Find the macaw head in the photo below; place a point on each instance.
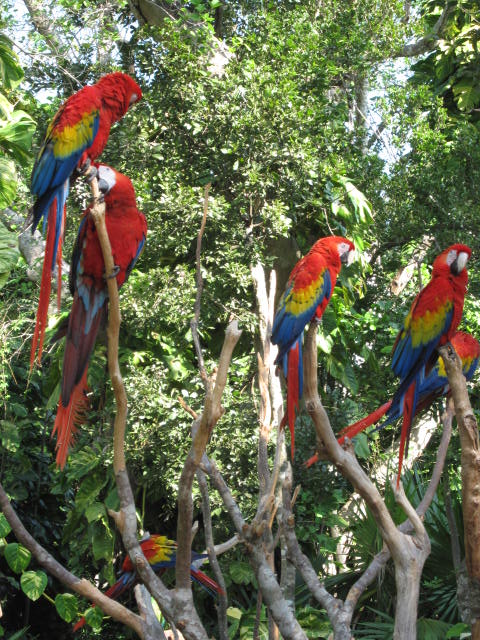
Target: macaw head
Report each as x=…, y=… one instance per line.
x=115, y=186
x=454, y=259
x=344, y=247
x=119, y=91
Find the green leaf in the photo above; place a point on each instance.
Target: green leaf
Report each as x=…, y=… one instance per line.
x=325, y=343
x=89, y=490
x=10, y=436
x=362, y=449
x=17, y=556
x=16, y=135
x=467, y=94
x=102, y=543
x=5, y=528
x=8, y=182
x=94, y=618
x=457, y=630
x=67, y=606
x=95, y=511
x=11, y=72
x=241, y=572
x=21, y=634
x=33, y=584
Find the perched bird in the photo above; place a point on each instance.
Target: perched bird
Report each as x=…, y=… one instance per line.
x=433, y=386
x=127, y=230
x=76, y=136
x=161, y=554
x=309, y=289
x=431, y=322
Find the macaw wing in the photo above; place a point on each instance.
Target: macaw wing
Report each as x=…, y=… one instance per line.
x=304, y=293
x=59, y=155
x=76, y=254
x=135, y=258
x=428, y=320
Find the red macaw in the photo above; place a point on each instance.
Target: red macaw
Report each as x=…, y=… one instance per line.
x=432, y=321
x=76, y=136
x=309, y=289
x=161, y=554
x=433, y=386
x=127, y=230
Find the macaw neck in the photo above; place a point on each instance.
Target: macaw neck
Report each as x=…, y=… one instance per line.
x=115, y=104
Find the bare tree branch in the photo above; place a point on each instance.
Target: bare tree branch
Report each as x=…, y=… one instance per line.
x=428, y=41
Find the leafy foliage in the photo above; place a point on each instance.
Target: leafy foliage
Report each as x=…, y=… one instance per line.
x=280, y=139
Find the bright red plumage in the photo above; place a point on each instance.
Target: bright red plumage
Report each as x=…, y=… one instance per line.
x=78, y=132
x=309, y=289
x=127, y=229
x=432, y=321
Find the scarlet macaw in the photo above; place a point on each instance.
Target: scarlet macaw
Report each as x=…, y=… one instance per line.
x=433, y=386
x=431, y=322
x=127, y=230
x=309, y=289
x=77, y=135
x=161, y=554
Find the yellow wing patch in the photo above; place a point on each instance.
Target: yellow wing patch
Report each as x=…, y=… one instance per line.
x=426, y=327
x=299, y=301
x=72, y=138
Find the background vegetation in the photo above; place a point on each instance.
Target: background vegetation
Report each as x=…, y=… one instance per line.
x=326, y=119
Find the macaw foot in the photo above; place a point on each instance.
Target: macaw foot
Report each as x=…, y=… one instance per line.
x=115, y=272
x=87, y=170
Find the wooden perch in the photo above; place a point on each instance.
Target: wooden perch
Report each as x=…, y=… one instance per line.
x=408, y=554
x=470, y=461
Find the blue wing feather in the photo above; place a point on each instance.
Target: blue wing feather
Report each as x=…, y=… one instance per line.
x=287, y=327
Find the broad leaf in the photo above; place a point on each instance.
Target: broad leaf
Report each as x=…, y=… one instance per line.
x=11, y=72
x=94, y=617
x=33, y=584
x=17, y=556
x=8, y=182
x=67, y=606
x=5, y=528
x=16, y=135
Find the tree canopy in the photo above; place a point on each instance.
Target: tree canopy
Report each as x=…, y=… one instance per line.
x=307, y=119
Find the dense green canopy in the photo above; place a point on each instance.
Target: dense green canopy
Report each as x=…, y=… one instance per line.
x=321, y=121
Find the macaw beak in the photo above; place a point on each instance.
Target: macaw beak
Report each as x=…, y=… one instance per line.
x=348, y=257
x=459, y=264
x=103, y=186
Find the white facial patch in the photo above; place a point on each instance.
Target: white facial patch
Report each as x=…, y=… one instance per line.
x=133, y=98
x=451, y=256
x=344, y=248
x=107, y=174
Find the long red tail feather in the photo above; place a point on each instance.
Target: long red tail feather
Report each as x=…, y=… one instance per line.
x=292, y=392
x=45, y=288
x=408, y=410
x=59, y=259
x=357, y=427
x=354, y=429
x=206, y=581
x=68, y=418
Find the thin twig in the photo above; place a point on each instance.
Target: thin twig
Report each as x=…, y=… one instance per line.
x=198, y=298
